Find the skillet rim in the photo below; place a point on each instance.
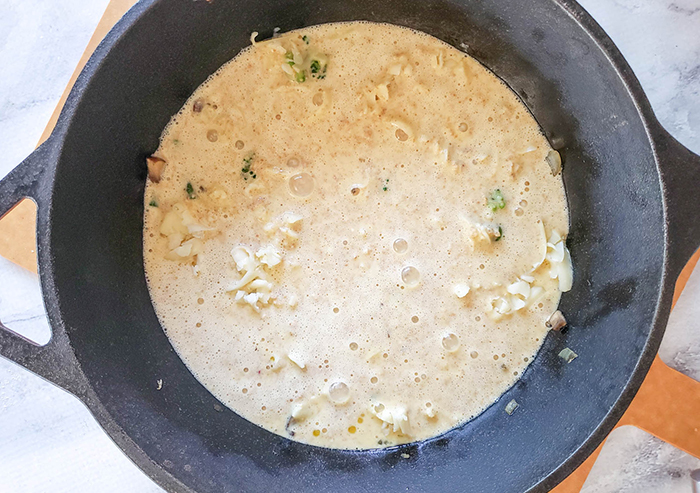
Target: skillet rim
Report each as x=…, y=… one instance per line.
x=84, y=389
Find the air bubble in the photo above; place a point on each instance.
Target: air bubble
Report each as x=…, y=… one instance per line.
x=474, y=354
x=292, y=162
x=450, y=342
x=301, y=185
x=339, y=392
x=463, y=127
x=212, y=135
x=519, y=212
x=410, y=276
x=317, y=99
x=401, y=135
x=400, y=245
x=353, y=346
x=414, y=319
x=240, y=144
x=374, y=379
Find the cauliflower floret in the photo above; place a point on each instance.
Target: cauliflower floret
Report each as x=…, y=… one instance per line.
x=177, y=225
x=394, y=418
x=254, y=288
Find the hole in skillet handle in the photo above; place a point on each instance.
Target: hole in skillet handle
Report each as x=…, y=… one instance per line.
x=54, y=360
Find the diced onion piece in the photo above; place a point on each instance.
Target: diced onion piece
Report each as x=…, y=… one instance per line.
x=460, y=290
x=269, y=256
x=277, y=362
x=276, y=47
x=242, y=257
x=291, y=218
x=567, y=355
x=172, y=223
x=175, y=240
x=512, y=406
x=536, y=294
x=253, y=35
x=554, y=161
x=248, y=277
x=543, y=245
x=556, y=254
x=297, y=360
x=555, y=237
x=383, y=92
x=516, y=303
x=188, y=249
x=305, y=410
x=565, y=273
x=261, y=285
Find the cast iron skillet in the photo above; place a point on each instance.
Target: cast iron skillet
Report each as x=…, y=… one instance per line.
x=631, y=190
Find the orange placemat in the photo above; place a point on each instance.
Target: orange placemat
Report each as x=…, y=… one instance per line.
x=666, y=405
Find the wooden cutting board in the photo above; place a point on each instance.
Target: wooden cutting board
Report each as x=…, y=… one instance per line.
x=666, y=405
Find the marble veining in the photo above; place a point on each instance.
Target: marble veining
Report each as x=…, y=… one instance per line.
x=48, y=439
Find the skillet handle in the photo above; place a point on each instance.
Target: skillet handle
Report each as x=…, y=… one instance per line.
x=55, y=361
x=680, y=174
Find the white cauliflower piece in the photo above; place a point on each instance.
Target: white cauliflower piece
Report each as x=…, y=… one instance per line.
x=394, y=418
x=254, y=287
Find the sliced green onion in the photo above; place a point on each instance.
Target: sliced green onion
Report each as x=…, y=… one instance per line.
x=190, y=191
x=301, y=76
x=496, y=200
x=500, y=234
x=153, y=203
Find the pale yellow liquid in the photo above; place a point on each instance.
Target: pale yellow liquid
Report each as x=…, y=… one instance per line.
x=340, y=307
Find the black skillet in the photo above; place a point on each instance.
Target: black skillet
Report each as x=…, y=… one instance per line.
x=634, y=223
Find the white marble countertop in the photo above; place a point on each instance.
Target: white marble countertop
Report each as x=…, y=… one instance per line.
x=49, y=442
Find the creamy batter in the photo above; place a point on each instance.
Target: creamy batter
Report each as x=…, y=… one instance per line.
x=354, y=234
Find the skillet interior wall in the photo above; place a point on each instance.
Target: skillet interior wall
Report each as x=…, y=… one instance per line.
x=615, y=240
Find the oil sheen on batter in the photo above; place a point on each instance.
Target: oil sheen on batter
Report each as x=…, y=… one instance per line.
x=354, y=234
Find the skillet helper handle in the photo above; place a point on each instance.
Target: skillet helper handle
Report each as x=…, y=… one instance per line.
x=55, y=361
x=680, y=173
